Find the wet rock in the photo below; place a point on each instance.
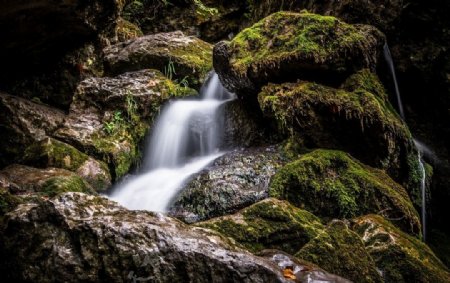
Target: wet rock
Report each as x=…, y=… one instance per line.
x=399, y=257
x=76, y=237
x=288, y=46
x=341, y=251
x=25, y=180
x=331, y=184
x=23, y=123
x=53, y=153
x=269, y=224
x=110, y=116
x=356, y=118
x=234, y=181
x=180, y=57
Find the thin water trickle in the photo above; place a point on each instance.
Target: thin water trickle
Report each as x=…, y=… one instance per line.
x=390, y=62
x=185, y=140
x=423, y=190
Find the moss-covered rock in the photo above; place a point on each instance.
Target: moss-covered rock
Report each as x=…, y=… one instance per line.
x=7, y=201
x=53, y=153
x=286, y=46
x=126, y=30
x=341, y=251
x=109, y=117
x=25, y=180
x=399, y=257
x=269, y=224
x=180, y=57
x=331, y=184
x=356, y=118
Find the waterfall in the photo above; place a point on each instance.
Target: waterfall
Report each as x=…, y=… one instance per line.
x=390, y=62
x=420, y=147
x=184, y=140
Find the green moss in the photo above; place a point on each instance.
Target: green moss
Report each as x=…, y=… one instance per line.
x=331, y=184
x=126, y=30
x=7, y=201
x=268, y=224
x=62, y=184
x=303, y=35
x=341, y=251
x=400, y=257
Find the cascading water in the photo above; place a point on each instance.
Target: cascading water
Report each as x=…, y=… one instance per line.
x=419, y=146
x=184, y=141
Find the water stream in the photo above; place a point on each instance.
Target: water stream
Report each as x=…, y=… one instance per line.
x=185, y=139
x=420, y=147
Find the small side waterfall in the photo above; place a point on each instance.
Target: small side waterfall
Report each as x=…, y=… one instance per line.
x=419, y=146
x=390, y=62
x=185, y=140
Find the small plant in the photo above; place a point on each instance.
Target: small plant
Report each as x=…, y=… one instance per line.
x=131, y=107
x=111, y=127
x=184, y=82
x=169, y=70
x=203, y=10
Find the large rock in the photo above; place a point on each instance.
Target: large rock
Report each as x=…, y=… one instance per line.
x=269, y=224
x=53, y=153
x=110, y=116
x=399, y=257
x=234, y=181
x=76, y=237
x=331, y=184
x=178, y=56
x=23, y=123
x=25, y=180
x=287, y=46
x=39, y=31
x=356, y=118
x=341, y=251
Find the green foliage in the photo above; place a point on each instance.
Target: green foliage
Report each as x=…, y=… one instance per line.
x=203, y=10
x=169, y=69
x=114, y=124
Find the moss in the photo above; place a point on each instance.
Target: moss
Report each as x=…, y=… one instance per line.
x=399, y=256
x=7, y=201
x=62, y=184
x=268, y=224
x=331, y=184
x=308, y=36
x=341, y=251
x=126, y=30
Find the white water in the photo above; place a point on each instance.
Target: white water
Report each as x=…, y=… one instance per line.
x=184, y=141
x=423, y=190
x=390, y=62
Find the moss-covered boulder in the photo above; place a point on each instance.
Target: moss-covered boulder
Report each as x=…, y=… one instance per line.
x=356, y=118
x=8, y=201
x=53, y=153
x=269, y=224
x=331, y=184
x=399, y=257
x=126, y=30
x=185, y=58
x=110, y=116
x=25, y=180
x=341, y=251
x=286, y=46
x=232, y=182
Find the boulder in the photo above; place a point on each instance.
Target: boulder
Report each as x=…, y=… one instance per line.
x=331, y=184
x=126, y=30
x=269, y=224
x=234, y=181
x=22, y=123
x=341, y=251
x=110, y=116
x=181, y=57
x=286, y=46
x=398, y=256
x=356, y=118
x=53, y=153
x=76, y=237
x=25, y=180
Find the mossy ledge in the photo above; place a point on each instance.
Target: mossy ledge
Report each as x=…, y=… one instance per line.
x=332, y=184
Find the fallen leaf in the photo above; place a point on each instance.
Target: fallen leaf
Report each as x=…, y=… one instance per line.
x=289, y=274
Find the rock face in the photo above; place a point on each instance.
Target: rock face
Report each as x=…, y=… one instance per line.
x=53, y=153
x=331, y=184
x=178, y=56
x=269, y=224
x=341, y=251
x=400, y=257
x=22, y=123
x=287, y=46
x=109, y=116
x=25, y=180
x=76, y=237
x=356, y=118
x=232, y=182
